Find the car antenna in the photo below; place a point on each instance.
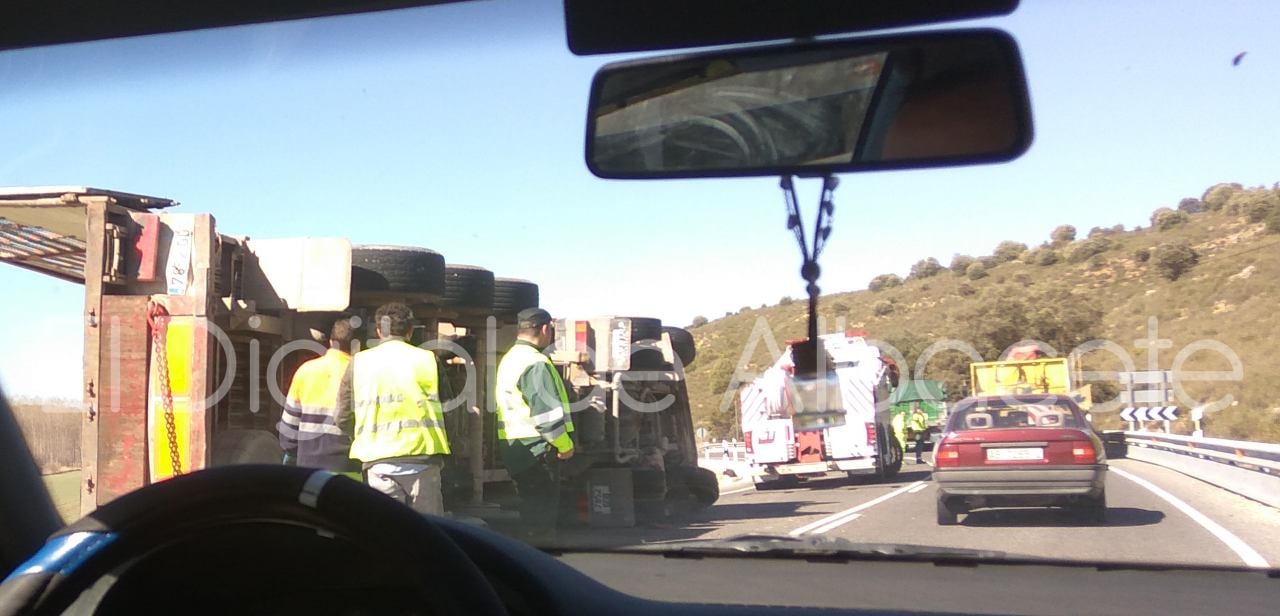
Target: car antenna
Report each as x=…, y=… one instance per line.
x=806, y=359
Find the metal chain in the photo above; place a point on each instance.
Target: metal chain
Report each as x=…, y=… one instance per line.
x=158, y=318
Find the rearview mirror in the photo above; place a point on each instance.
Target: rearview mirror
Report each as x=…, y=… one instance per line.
x=895, y=102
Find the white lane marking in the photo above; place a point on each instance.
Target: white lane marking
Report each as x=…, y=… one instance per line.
x=1250, y=557
x=738, y=491
x=842, y=521
x=848, y=515
x=918, y=488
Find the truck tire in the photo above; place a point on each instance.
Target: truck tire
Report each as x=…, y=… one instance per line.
x=890, y=463
x=397, y=269
x=468, y=286
x=697, y=485
x=682, y=344
x=244, y=446
x=511, y=295
x=645, y=354
x=643, y=328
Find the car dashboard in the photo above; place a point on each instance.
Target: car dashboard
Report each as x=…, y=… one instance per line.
x=269, y=568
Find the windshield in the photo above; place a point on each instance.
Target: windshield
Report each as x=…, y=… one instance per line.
x=217, y=224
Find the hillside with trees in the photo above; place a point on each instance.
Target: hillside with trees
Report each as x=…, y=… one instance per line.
x=1205, y=269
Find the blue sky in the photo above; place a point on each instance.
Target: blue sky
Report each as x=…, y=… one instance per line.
x=460, y=128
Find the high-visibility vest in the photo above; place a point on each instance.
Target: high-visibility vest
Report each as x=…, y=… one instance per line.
x=395, y=391
x=899, y=428
x=515, y=419
x=919, y=422
x=308, y=424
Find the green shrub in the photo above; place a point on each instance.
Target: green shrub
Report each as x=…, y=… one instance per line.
x=884, y=281
x=1042, y=256
x=1165, y=219
x=960, y=264
x=1174, y=260
x=1082, y=251
x=1008, y=251
x=925, y=268
x=976, y=271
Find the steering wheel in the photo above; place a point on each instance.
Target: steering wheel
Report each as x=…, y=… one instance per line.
x=124, y=531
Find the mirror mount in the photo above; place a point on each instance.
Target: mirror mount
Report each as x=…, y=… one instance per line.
x=806, y=355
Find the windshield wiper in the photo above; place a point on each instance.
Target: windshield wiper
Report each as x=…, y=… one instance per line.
x=813, y=546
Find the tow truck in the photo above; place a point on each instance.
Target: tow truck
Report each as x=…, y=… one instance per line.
x=797, y=427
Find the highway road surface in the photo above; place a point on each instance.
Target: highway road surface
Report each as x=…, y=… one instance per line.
x=1156, y=515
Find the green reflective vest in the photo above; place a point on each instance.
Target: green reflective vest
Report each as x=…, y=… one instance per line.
x=900, y=429
x=395, y=394
x=919, y=422
x=515, y=418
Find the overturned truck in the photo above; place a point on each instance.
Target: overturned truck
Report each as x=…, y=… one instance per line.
x=191, y=337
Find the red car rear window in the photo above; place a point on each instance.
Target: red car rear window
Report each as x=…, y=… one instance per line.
x=1005, y=414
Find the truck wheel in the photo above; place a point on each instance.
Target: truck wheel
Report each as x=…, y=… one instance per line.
x=703, y=485
x=397, y=269
x=511, y=295
x=467, y=286
x=240, y=446
x=643, y=328
x=890, y=463
x=690, y=488
x=682, y=344
x=645, y=334
x=946, y=517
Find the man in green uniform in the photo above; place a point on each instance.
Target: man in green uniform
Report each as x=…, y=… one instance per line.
x=919, y=428
x=534, y=424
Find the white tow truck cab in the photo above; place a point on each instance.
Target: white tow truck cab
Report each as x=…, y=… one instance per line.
x=803, y=428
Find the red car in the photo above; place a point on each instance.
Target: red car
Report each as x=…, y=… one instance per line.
x=1019, y=450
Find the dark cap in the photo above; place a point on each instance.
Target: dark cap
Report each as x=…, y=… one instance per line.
x=532, y=317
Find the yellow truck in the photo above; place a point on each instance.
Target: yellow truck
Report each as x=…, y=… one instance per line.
x=1026, y=371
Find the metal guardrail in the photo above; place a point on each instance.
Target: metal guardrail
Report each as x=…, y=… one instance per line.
x=1246, y=468
x=736, y=452
x=1261, y=457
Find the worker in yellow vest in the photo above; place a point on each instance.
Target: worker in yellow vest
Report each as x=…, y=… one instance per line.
x=308, y=428
x=919, y=429
x=900, y=429
x=534, y=423
x=391, y=395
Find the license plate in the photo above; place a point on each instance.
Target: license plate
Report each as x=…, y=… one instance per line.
x=1015, y=453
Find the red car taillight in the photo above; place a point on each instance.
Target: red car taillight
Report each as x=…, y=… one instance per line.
x=1082, y=452
x=947, y=455
x=746, y=438
x=871, y=435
